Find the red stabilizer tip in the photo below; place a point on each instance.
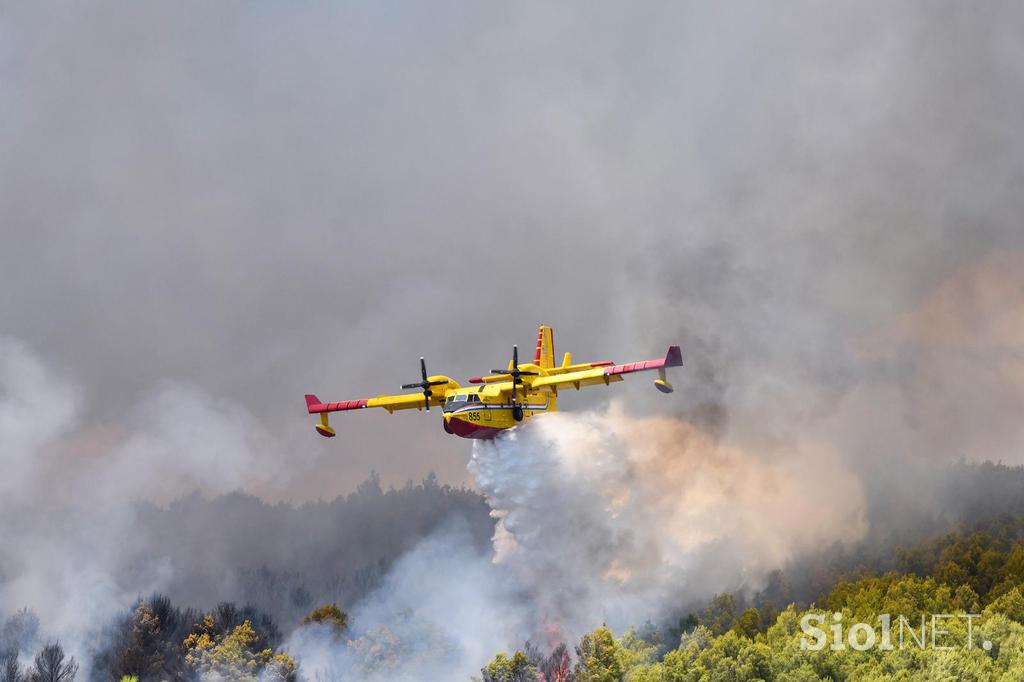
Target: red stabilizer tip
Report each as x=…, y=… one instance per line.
x=313, y=403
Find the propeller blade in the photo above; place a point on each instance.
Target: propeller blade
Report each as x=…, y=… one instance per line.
x=515, y=357
x=500, y=371
x=527, y=373
x=416, y=385
x=423, y=368
x=439, y=382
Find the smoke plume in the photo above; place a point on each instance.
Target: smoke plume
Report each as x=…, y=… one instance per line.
x=73, y=550
x=607, y=518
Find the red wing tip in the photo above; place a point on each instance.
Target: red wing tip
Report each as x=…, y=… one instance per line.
x=312, y=402
x=674, y=357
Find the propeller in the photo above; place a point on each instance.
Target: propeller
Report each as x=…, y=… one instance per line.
x=425, y=384
x=515, y=372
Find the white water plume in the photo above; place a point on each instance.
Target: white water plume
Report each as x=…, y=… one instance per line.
x=609, y=518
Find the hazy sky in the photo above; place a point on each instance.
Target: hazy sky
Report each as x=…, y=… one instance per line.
x=260, y=199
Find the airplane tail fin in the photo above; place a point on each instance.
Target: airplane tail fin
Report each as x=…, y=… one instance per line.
x=545, y=354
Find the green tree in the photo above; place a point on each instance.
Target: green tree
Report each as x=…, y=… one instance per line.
x=503, y=668
x=597, y=657
x=633, y=651
x=1010, y=605
x=749, y=623
x=721, y=613
x=331, y=615
x=234, y=657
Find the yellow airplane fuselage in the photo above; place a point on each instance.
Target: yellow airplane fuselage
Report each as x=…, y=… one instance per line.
x=477, y=412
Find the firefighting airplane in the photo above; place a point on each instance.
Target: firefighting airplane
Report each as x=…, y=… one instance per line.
x=504, y=398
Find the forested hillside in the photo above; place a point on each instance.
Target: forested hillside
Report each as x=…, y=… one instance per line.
x=240, y=575
x=283, y=559
x=966, y=559
x=979, y=571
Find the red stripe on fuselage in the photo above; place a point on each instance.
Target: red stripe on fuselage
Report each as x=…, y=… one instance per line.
x=465, y=429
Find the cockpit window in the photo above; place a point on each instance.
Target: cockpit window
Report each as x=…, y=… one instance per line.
x=456, y=402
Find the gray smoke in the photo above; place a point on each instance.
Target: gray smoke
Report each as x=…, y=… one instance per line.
x=266, y=201
x=72, y=550
x=213, y=209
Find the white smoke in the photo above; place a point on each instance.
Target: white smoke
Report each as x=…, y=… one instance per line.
x=609, y=518
x=36, y=407
x=442, y=611
x=68, y=489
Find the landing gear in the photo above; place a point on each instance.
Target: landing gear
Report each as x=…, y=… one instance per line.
x=517, y=413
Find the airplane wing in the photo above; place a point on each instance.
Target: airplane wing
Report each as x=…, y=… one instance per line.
x=390, y=403
x=606, y=373
x=404, y=401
